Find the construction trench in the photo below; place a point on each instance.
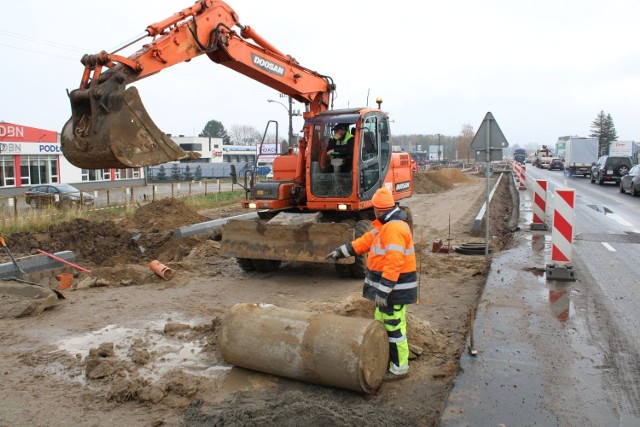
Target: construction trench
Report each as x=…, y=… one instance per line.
x=127, y=347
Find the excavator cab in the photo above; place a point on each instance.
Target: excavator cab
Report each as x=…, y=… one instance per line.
x=368, y=154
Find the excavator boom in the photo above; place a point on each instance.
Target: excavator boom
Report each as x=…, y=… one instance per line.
x=109, y=126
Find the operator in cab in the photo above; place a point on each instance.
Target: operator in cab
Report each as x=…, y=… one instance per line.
x=340, y=146
x=391, y=280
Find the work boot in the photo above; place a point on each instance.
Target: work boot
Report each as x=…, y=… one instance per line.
x=390, y=376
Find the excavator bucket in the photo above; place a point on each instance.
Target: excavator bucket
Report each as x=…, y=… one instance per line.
x=110, y=128
x=284, y=240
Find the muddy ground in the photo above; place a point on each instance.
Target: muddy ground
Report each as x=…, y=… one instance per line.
x=128, y=348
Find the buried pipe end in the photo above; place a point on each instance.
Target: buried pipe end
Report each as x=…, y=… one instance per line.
x=161, y=270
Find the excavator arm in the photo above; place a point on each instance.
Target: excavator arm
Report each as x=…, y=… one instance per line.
x=109, y=126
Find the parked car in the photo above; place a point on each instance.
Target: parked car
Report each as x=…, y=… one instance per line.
x=631, y=182
x=610, y=168
x=58, y=195
x=557, y=164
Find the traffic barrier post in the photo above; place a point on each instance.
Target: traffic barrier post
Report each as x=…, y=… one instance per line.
x=562, y=236
x=523, y=177
x=539, y=205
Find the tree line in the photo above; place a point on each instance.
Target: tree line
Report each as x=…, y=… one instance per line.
x=452, y=147
x=236, y=135
x=177, y=174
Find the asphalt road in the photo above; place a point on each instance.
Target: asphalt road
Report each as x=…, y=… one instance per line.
x=606, y=237
x=558, y=353
x=606, y=255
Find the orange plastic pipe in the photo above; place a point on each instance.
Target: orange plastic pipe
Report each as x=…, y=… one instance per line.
x=161, y=270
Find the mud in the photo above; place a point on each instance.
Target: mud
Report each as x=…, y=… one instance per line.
x=133, y=349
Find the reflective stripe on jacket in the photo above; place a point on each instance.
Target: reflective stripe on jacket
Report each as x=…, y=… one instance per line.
x=391, y=264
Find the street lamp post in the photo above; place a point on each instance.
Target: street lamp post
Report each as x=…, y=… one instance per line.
x=290, y=113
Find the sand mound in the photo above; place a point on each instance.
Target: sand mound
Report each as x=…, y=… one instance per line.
x=437, y=181
x=419, y=332
x=454, y=175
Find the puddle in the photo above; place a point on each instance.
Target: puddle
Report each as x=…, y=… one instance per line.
x=558, y=297
x=168, y=351
x=610, y=214
x=539, y=242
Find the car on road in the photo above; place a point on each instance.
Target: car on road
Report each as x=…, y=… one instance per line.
x=609, y=168
x=630, y=183
x=556, y=164
x=58, y=195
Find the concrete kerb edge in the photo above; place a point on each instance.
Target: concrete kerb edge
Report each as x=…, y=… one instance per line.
x=477, y=223
x=35, y=264
x=210, y=226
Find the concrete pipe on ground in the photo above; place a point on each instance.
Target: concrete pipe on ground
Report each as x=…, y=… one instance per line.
x=345, y=352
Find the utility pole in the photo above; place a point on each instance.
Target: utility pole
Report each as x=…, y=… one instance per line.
x=439, y=148
x=291, y=141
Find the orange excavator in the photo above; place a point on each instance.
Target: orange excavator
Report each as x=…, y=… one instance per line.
x=318, y=198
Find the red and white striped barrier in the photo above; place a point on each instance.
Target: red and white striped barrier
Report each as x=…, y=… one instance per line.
x=519, y=175
x=523, y=177
x=562, y=235
x=539, y=204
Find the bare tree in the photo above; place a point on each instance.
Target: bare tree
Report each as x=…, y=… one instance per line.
x=244, y=135
x=464, y=141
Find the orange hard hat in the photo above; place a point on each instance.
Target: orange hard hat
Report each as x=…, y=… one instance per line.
x=383, y=199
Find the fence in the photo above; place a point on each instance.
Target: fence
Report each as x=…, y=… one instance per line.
x=15, y=206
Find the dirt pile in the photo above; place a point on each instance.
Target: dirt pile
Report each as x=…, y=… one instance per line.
x=419, y=332
x=501, y=209
x=165, y=214
x=147, y=235
x=90, y=240
x=437, y=181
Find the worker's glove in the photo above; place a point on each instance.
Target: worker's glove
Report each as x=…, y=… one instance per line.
x=338, y=253
x=335, y=255
x=381, y=301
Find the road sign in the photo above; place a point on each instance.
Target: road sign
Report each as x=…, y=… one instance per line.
x=489, y=136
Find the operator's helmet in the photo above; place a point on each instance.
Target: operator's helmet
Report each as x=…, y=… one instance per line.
x=343, y=126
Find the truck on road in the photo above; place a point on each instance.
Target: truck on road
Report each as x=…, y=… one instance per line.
x=519, y=155
x=543, y=157
x=580, y=153
x=622, y=149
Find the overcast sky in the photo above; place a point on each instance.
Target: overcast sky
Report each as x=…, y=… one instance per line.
x=544, y=68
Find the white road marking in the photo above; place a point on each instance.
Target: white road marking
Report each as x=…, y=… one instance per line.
x=609, y=247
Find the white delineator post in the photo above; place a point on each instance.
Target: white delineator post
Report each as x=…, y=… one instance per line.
x=562, y=235
x=539, y=205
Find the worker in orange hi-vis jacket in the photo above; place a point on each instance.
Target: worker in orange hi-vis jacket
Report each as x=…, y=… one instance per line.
x=391, y=280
